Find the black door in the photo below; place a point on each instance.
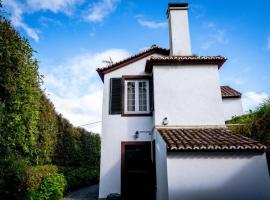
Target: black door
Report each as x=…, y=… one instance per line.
x=137, y=171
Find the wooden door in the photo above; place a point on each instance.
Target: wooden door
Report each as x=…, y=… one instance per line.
x=138, y=177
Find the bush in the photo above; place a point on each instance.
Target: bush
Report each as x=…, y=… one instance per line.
x=51, y=188
x=13, y=176
x=79, y=176
x=36, y=175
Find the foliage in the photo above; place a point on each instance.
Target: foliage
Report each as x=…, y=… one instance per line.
x=47, y=128
x=255, y=125
x=13, y=176
x=36, y=175
x=76, y=146
x=19, y=93
x=51, y=188
x=80, y=176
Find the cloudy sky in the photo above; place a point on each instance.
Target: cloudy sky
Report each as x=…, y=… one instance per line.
x=73, y=37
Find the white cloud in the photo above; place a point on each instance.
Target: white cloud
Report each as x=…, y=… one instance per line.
x=74, y=87
x=101, y=9
x=16, y=10
x=55, y=6
x=251, y=100
x=152, y=24
x=268, y=43
x=215, y=36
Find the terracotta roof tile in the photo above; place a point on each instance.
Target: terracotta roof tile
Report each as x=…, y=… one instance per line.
x=228, y=92
x=170, y=60
x=217, y=139
x=153, y=49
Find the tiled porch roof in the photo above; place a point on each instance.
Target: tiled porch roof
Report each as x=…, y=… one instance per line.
x=207, y=139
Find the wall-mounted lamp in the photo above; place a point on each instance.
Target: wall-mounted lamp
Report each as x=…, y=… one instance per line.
x=136, y=135
x=165, y=121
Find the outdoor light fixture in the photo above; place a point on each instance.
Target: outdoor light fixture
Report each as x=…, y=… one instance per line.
x=136, y=135
x=165, y=121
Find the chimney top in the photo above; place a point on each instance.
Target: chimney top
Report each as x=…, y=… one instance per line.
x=177, y=6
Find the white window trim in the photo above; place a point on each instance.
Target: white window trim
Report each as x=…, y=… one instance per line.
x=137, y=97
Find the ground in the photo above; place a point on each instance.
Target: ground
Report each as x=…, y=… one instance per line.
x=86, y=193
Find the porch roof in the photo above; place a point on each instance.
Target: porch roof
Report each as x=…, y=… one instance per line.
x=207, y=139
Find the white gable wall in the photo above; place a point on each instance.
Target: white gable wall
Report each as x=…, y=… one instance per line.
x=115, y=129
x=213, y=175
x=232, y=107
x=187, y=95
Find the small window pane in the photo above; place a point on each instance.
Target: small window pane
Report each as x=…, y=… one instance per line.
x=142, y=96
x=131, y=96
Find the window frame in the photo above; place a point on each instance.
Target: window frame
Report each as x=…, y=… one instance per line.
x=137, y=79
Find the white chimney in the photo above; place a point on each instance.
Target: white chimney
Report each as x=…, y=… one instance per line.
x=177, y=14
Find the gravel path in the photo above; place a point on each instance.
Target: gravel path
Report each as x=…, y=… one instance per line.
x=87, y=193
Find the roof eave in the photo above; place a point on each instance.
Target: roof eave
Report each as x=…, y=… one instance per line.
x=150, y=63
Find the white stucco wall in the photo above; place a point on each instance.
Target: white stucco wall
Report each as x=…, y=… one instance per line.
x=115, y=129
x=223, y=176
x=161, y=168
x=232, y=107
x=187, y=95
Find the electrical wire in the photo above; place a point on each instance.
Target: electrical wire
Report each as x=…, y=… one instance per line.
x=91, y=123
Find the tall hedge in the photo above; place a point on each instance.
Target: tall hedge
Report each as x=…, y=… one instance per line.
x=32, y=133
x=29, y=125
x=19, y=94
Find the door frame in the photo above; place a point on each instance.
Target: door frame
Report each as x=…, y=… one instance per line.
x=123, y=144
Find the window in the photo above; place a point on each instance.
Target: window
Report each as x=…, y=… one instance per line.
x=137, y=96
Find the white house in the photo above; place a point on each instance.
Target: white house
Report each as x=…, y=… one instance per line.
x=163, y=127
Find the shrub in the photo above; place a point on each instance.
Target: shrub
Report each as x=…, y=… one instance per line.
x=79, y=176
x=51, y=188
x=36, y=175
x=13, y=176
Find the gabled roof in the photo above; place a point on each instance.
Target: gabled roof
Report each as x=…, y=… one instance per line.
x=207, y=139
x=228, y=92
x=172, y=60
x=153, y=49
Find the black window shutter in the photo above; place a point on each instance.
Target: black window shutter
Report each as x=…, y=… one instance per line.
x=151, y=94
x=115, y=96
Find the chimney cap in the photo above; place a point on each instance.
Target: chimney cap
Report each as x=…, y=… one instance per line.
x=176, y=6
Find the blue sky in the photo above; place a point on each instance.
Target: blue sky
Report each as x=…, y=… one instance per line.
x=73, y=37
